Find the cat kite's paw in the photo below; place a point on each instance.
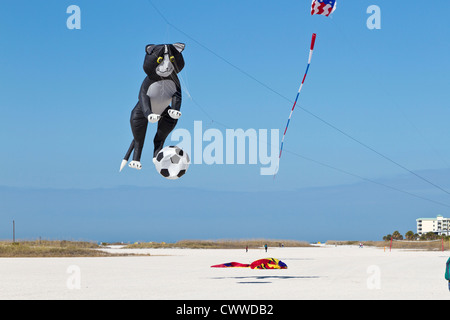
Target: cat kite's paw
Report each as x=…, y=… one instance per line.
x=135, y=165
x=153, y=118
x=174, y=114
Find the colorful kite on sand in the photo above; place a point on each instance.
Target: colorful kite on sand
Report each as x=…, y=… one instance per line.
x=269, y=263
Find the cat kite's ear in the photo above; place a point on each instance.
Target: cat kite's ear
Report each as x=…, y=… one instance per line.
x=149, y=48
x=179, y=46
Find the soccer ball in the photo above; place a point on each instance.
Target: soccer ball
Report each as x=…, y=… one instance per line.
x=172, y=162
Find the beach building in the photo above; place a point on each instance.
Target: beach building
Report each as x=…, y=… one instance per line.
x=438, y=225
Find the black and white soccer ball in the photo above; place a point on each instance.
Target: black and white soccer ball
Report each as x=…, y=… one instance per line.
x=172, y=162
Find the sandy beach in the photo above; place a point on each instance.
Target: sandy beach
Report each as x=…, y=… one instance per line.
x=324, y=272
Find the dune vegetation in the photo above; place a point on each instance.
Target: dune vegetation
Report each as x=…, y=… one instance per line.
x=45, y=248
x=221, y=244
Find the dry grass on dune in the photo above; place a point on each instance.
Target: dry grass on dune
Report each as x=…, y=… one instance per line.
x=46, y=248
x=221, y=244
x=57, y=249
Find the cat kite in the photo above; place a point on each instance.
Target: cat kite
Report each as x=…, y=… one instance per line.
x=323, y=7
x=269, y=263
x=159, y=99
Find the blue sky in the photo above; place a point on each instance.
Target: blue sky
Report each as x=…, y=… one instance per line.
x=67, y=96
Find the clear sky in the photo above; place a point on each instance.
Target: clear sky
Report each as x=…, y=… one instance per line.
x=67, y=95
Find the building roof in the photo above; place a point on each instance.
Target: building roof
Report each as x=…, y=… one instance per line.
x=431, y=219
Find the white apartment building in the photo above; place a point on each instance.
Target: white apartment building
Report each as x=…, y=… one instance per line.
x=438, y=225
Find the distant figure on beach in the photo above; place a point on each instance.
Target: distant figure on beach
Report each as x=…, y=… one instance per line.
x=246, y=249
x=361, y=245
x=265, y=247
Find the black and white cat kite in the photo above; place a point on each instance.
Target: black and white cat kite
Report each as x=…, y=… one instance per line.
x=159, y=99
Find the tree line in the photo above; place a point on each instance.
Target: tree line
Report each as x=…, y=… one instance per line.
x=410, y=235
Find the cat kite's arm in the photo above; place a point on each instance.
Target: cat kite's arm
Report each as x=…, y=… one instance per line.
x=176, y=100
x=144, y=99
x=174, y=111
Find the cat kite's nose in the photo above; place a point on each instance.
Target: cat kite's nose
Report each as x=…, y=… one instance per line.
x=166, y=64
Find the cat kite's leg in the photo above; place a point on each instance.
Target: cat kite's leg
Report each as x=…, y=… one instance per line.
x=139, y=125
x=165, y=127
x=127, y=156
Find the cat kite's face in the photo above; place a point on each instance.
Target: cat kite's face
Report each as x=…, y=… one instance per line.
x=162, y=60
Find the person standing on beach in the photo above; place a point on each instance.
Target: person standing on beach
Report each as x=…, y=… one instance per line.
x=246, y=249
x=265, y=247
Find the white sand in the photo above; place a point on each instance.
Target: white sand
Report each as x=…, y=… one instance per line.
x=177, y=274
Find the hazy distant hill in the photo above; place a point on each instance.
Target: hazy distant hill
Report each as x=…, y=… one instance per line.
x=364, y=211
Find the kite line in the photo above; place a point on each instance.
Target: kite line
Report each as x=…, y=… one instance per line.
x=313, y=42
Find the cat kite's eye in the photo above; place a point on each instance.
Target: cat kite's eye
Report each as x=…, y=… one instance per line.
x=172, y=59
x=160, y=59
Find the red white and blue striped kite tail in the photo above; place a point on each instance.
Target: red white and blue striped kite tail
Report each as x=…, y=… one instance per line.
x=313, y=41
